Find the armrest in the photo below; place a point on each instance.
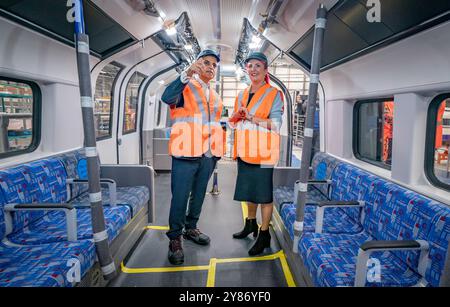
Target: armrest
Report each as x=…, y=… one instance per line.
x=321, y=206
x=69, y=210
x=327, y=182
x=343, y=204
x=111, y=184
x=367, y=248
x=133, y=175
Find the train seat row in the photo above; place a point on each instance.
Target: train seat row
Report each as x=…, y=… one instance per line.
x=45, y=219
x=360, y=216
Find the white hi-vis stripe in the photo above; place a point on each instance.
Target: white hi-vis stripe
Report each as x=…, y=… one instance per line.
x=95, y=197
x=321, y=23
x=314, y=78
x=101, y=236
x=309, y=132
x=83, y=47
x=108, y=269
x=86, y=102
x=91, y=152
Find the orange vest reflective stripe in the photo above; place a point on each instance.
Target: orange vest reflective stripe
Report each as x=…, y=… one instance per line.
x=252, y=143
x=196, y=126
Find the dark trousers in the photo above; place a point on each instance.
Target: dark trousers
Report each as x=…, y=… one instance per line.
x=189, y=183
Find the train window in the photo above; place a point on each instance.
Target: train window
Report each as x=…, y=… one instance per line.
x=131, y=103
x=373, y=131
x=104, y=99
x=19, y=117
x=438, y=142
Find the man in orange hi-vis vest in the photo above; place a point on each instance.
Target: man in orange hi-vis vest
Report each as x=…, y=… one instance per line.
x=196, y=144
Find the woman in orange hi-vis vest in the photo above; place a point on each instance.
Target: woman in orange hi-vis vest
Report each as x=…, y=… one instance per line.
x=257, y=120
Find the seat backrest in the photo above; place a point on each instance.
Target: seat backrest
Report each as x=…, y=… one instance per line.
x=350, y=183
x=323, y=166
x=438, y=237
x=48, y=179
x=16, y=186
x=42, y=181
x=75, y=164
x=396, y=213
x=2, y=216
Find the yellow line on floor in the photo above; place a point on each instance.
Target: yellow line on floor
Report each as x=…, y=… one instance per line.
x=211, y=281
x=249, y=259
x=163, y=270
x=286, y=270
x=157, y=227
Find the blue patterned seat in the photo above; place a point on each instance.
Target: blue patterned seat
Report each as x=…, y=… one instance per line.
x=75, y=164
x=41, y=265
x=52, y=228
x=335, y=220
x=323, y=166
x=134, y=198
x=348, y=184
x=391, y=213
x=44, y=181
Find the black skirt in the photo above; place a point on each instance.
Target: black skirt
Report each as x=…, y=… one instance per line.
x=254, y=183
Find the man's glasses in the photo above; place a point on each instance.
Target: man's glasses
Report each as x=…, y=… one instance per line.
x=208, y=63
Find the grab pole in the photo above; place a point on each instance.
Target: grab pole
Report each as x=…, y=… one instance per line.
x=87, y=106
x=319, y=34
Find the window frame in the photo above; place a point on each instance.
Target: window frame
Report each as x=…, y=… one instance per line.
x=356, y=121
x=36, y=118
x=137, y=104
x=111, y=110
x=431, y=140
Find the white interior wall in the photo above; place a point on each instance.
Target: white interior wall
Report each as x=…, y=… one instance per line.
x=28, y=55
x=414, y=71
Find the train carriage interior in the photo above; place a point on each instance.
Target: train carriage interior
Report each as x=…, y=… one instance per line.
x=361, y=189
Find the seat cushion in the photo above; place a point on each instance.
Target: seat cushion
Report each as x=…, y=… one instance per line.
x=134, y=197
x=331, y=261
x=335, y=220
x=43, y=265
x=52, y=228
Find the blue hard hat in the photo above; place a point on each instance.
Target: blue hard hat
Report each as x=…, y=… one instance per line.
x=209, y=52
x=257, y=56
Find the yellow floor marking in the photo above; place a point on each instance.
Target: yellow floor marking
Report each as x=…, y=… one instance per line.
x=163, y=270
x=286, y=270
x=211, y=268
x=211, y=273
x=157, y=227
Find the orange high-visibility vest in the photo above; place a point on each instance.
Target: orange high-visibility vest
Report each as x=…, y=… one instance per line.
x=196, y=126
x=252, y=143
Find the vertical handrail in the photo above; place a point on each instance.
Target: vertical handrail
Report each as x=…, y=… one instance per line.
x=319, y=34
x=100, y=234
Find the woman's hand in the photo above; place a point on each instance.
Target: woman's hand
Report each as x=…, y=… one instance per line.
x=236, y=117
x=243, y=112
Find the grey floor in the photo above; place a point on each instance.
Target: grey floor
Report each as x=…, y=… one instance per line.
x=221, y=217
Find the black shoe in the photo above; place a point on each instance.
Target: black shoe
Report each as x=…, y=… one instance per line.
x=176, y=255
x=261, y=243
x=250, y=226
x=197, y=236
